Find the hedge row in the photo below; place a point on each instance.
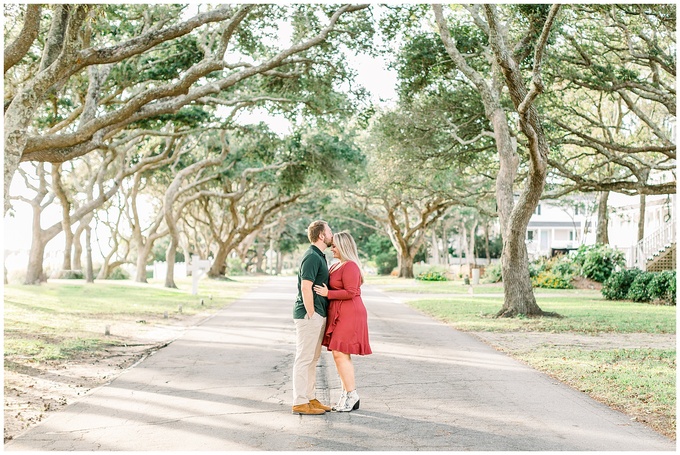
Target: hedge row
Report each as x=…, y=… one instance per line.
x=640, y=286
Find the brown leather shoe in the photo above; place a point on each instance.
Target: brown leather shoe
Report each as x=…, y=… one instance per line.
x=317, y=404
x=307, y=409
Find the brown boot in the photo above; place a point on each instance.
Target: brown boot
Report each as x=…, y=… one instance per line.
x=317, y=404
x=307, y=409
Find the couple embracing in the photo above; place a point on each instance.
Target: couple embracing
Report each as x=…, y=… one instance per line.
x=328, y=312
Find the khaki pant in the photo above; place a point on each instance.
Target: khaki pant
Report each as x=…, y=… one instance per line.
x=309, y=333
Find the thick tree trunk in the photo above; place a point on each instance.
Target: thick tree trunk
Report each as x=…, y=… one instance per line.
x=461, y=245
x=602, y=234
x=34, y=271
x=143, y=250
x=405, y=266
x=76, y=260
x=279, y=262
x=67, y=263
x=259, y=250
x=104, y=270
x=405, y=251
x=519, y=297
x=641, y=219
x=170, y=262
x=65, y=217
x=519, y=294
x=171, y=251
x=514, y=219
x=19, y=114
x=218, y=267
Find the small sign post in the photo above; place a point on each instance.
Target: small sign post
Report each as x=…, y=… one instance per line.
x=197, y=267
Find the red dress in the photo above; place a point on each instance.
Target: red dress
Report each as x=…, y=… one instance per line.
x=347, y=323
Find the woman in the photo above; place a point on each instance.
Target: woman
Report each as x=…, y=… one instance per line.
x=347, y=325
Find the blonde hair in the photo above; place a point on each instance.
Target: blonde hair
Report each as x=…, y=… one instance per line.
x=315, y=230
x=344, y=242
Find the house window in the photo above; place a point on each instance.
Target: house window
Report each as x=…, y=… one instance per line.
x=538, y=209
x=571, y=235
x=576, y=210
x=530, y=236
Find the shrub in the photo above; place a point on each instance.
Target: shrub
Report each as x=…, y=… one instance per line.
x=72, y=275
x=535, y=268
x=553, y=273
x=564, y=267
x=235, y=267
x=118, y=274
x=638, y=289
x=597, y=262
x=385, y=262
x=493, y=273
x=663, y=286
x=432, y=275
x=617, y=285
x=551, y=280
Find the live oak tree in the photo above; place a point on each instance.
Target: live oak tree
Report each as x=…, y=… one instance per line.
x=271, y=176
x=231, y=215
x=239, y=199
x=441, y=121
x=117, y=246
x=612, y=106
x=612, y=110
x=405, y=216
x=182, y=191
x=143, y=61
x=73, y=188
x=506, y=55
x=167, y=188
x=106, y=76
x=407, y=186
x=42, y=197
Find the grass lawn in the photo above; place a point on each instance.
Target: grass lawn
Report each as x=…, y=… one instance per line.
x=640, y=382
x=59, y=320
x=584, y=312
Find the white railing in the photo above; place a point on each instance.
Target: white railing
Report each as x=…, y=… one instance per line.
x=646, y=248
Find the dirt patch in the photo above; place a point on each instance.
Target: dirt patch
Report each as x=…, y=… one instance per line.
x=581, y=282
x=34, y=390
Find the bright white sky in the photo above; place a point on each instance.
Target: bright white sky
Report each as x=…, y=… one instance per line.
x=372, y=74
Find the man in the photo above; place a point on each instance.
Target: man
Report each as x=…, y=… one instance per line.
x=309, y=315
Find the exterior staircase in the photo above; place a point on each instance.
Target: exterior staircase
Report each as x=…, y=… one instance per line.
x=655, y=252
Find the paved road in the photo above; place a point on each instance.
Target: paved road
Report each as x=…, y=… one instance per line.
x=226, y=385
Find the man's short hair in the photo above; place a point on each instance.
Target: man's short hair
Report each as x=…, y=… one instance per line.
x=315, y=230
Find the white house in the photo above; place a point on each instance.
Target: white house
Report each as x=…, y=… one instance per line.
x=560, y=226
x=656, y=251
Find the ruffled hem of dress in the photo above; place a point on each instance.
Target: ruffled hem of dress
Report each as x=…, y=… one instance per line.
x=356, y=348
